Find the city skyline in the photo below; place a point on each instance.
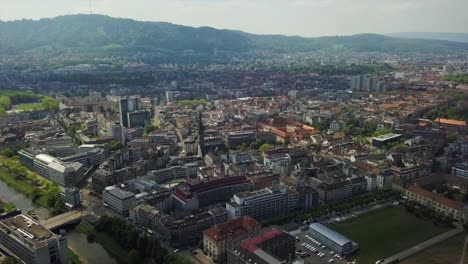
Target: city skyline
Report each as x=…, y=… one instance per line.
x=297, y=17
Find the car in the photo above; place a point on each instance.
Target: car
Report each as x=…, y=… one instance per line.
x=176, y=250
x=331, y=260
x=194, y=253
x=323, y=246
x=332, y=252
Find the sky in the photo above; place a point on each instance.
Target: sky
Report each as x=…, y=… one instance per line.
x=307, y=18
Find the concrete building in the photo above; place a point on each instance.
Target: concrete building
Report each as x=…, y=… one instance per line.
x=118, y=200
x=138, y=118
x=65, y=174
x=460, y=170
x=102, y=178
x=384, y=179
x=371, y=182
x=127, y=105
x=190, y=146
x=71, y=197
x=450, y=208
x=263, y=204
x=116, y=131
x=24, y=238
x=332, y=239
x=230, y=234
x=380, y=141
x=194, y=196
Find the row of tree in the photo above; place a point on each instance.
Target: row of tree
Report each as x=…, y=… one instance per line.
x=427, y=213
x=350, y=203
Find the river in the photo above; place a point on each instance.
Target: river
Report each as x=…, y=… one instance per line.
x=89, y=252
x=21, y=201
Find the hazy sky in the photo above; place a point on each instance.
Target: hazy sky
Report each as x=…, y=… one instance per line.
x=290, y=17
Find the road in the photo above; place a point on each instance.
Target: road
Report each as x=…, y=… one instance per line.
x=462, y=259
x=423, y=245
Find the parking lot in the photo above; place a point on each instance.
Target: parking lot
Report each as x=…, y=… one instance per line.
x=311, y=251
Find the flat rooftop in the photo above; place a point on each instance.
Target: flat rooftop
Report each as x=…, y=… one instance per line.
x=386, y=136
x=26, y=227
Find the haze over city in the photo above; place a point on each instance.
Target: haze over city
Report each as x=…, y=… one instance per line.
x=289, y=17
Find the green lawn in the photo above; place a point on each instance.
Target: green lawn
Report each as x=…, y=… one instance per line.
x=446, y=252
x=74, y=258
x=387, y=231
x=30, y=106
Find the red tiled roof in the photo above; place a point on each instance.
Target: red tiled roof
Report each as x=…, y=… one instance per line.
x=252, y=244
x=452, y=122
x=233, y=228
x=436, y=197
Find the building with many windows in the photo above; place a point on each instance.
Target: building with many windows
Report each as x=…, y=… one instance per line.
x=65, y=174
x=194, y=196
x=26, y=239
x=118, y=200
x=270, y=202
x=226, y=235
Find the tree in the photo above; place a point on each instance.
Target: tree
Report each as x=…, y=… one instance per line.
x=11, y=260
x=5, y=102
x=149, y=127
x=264, y=147
x=49, y=103
x=133, y=257
x=91, y=237
x=8, y=152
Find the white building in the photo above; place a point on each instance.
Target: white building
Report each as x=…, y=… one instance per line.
x=261, y=204
x=118, y=200
x=332, y=239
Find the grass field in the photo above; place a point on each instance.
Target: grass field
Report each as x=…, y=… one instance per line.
x=446, y=252
x=29, y=106
x=387, y=231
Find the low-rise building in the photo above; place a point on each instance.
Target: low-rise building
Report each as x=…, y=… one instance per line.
x=439, y=203
x=332, y=239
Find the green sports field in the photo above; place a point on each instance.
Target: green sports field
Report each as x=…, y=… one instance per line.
x=387, y=231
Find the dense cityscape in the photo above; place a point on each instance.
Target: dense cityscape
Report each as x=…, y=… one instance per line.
x=216, y=155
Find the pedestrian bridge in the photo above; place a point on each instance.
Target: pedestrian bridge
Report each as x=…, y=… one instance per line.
x=71, y=217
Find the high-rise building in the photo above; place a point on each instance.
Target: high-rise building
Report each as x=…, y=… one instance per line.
x=127, y=105
x=26, y=239
x=116, y=131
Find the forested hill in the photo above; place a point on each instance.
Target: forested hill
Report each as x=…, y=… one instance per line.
x=83, y=32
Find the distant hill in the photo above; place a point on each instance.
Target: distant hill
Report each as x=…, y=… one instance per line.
x=75, y=33
x=457, y=37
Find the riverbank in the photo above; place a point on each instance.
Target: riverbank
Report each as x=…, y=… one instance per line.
x=41, y=191
x=73, y=257
x=109, y=244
